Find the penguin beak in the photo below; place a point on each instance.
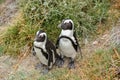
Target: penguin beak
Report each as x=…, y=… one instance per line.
x=59, y=26
x=35, y=39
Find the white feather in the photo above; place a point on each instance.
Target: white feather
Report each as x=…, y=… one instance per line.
x=41, y=57
x=39, y=54
x=43, y=34
x=40, y=44
x=69, y=20
x=66, y=46
x=68, y=33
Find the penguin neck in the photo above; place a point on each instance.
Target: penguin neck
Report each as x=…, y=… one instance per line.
x=40, y=44
x=68, y=33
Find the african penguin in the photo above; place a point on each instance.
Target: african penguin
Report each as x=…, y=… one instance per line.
x=67, y=43
x=44, y=50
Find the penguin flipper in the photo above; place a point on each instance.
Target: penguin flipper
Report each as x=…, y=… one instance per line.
x=57, y=43
x=33, y=51
x=78, y=45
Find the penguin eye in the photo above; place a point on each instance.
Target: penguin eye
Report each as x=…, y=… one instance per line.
x=40, y=36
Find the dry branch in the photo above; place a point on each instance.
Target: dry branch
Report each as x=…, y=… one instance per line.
x=116, y=52
x=22, y=56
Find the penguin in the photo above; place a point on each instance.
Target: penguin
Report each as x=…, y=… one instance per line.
x=67, y=43
x=45, y=50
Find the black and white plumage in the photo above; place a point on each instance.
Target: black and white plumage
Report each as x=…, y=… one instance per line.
x=67, y=42
x=44, y=50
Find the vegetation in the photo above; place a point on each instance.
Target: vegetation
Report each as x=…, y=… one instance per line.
x=91, y=17
x=46, y=15
x=86, y=14
x=100, y=66
x=1, y=1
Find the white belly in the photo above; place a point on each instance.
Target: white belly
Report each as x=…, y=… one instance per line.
x=66, y=48
x=41, y=57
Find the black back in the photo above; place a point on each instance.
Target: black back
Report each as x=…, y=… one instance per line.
x=51, y=47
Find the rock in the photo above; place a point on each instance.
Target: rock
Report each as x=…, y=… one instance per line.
x=104, y=36
x=95, y=43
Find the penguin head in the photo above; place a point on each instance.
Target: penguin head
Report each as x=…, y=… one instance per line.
x=40, y=36
x=66, y=24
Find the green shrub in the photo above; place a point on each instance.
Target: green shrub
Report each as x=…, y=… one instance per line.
x=47, y=14
x=86, y=14
x=1, y=1
x=1, y=50
x=17, y=36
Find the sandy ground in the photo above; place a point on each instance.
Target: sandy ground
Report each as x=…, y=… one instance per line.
x=7, y=11
x=12, y=68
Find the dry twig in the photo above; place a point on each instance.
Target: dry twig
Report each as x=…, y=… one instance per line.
x=22, y=56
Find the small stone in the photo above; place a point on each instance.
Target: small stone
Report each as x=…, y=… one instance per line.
x=95, y=42
x=104, y=36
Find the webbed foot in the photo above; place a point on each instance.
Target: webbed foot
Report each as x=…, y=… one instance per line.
x=45, y=71
x=38, y=66
x=59, y=62
x=71, y=64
